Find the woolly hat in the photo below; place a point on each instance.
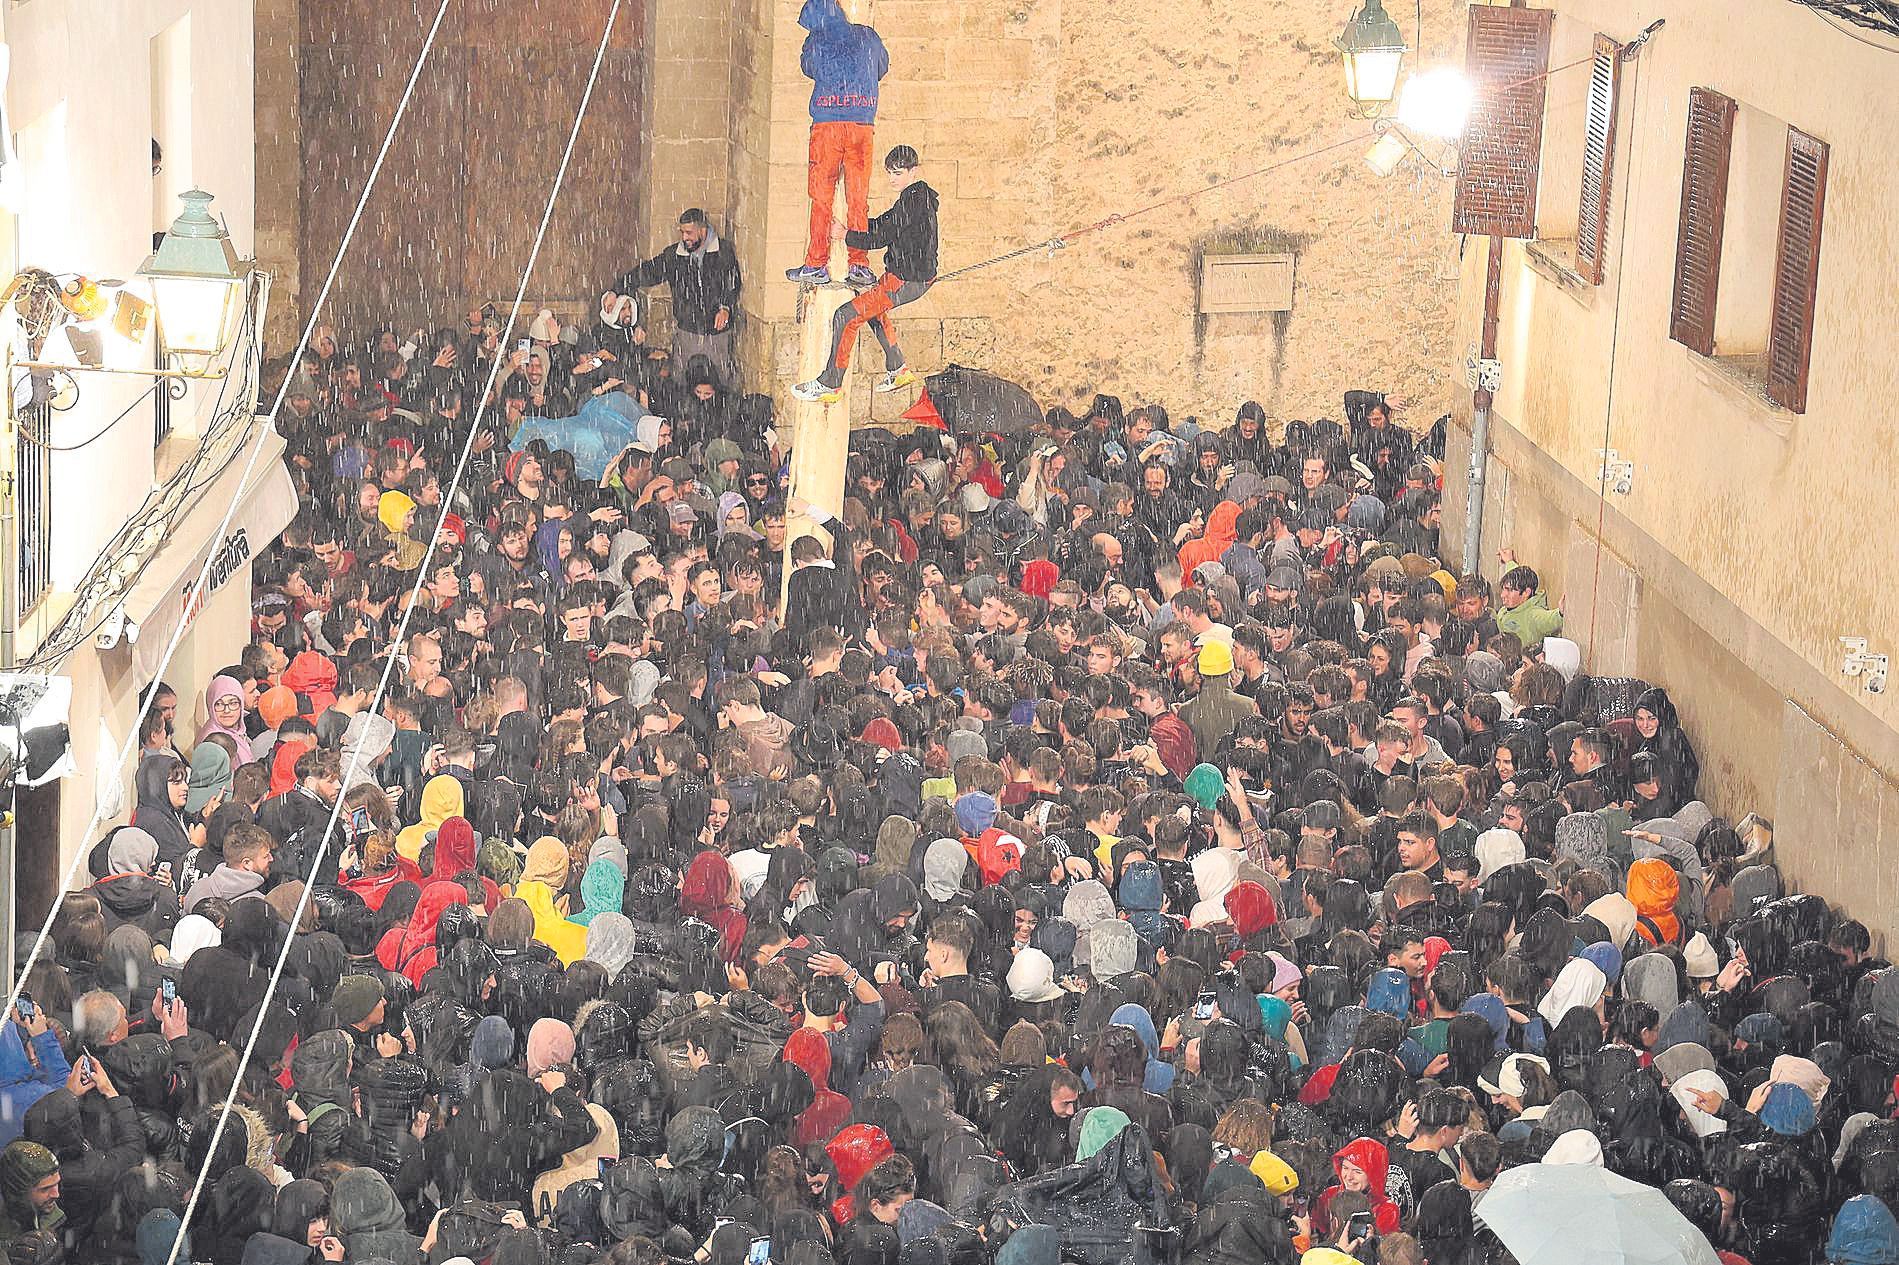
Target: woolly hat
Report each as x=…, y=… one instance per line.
x=1286, y=973
x=1204, y=783
x=356, y=998
x=1699, y=956
x=1216, y=659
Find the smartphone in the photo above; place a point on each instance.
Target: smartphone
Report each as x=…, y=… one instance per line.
x=524, y=346
x=168, y=989
x=85, y=1067
x=759, y=1253
x=1203, y=1006
x=25, y=1007
x=605, y=1164
x=1359, y=1226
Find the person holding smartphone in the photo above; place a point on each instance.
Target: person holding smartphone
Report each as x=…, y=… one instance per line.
x=32, y=1064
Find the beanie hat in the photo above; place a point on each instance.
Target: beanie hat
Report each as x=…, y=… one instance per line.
x=1699, y=957
x=975, y=812
x=356, y=998
x=1216, y=659
x=1204, y=783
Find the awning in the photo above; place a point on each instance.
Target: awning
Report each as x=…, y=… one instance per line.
x=265, y=506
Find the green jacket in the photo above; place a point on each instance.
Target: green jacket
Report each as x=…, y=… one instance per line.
x=1532, y=621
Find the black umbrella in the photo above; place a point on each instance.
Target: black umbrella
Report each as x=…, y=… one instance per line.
x=973, y=402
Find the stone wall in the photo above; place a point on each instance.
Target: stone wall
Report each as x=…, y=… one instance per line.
x=1038, y=116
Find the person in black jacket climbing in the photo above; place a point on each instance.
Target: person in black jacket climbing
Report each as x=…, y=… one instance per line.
x=906, y=233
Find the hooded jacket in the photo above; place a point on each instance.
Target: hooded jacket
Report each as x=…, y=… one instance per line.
x=366, y=1215
x=844, y=61
x=1864, y=1233
x=568, y=940
x=1374, y=1161
x=1222, y=530
x=91, y=1160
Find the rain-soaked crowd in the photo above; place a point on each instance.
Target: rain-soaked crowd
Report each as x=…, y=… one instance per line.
x=1120, y=840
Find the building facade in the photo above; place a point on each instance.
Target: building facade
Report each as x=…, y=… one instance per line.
x=111, y=117
x=1704, y=295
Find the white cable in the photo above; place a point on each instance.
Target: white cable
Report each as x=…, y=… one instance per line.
x=396, y=639
x=224, y=524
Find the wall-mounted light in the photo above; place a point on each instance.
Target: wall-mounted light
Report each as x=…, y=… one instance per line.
x=198, y=284
x=1372, y=49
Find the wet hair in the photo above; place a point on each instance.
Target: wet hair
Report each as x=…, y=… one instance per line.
x=901, y=158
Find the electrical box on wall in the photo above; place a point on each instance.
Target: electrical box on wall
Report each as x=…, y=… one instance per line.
x=1246, y=283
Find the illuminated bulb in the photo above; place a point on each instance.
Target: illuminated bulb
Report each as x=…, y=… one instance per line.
x=1436, y=103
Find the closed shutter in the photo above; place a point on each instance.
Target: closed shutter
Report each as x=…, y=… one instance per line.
x=1592, y=220
x=1506, y=60
x=1796, y=270
x=1704, y=204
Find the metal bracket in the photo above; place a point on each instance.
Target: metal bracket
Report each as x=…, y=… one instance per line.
x=1615, y=473
x=1479, y=372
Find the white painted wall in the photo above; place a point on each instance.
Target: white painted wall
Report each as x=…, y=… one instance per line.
x=83, y=69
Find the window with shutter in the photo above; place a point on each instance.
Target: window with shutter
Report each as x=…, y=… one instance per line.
x=1592, y=218
x=1704, y=199
x=1506, y=59
x=1796, y=270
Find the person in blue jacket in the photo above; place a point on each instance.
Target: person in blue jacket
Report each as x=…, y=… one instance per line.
x=26, y=1077
x=844, y=61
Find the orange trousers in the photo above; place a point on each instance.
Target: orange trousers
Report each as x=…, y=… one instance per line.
x=838, y=149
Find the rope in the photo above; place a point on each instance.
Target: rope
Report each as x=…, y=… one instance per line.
x=224, y=524
x=396, y=638
x=1119, y=218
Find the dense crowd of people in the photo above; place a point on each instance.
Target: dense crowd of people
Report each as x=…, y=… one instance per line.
x=1123, y=841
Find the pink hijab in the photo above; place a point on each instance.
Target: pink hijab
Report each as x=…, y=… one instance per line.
x=220, y=687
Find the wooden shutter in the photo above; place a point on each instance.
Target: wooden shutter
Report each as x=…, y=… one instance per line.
x=1796, y=270
x=1704, y=205
x=1506, y=60
x=1592, y=220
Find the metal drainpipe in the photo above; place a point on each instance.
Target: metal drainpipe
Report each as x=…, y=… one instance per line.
x=1480, y=400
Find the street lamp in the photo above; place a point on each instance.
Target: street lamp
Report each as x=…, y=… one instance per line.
x=198, y=285
x=1373, y=50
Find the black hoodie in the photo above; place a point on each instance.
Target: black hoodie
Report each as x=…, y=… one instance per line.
x=906, y=233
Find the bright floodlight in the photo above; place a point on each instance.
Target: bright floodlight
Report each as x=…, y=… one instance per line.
x=1436, y=103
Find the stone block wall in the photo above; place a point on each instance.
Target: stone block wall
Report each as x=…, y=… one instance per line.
x=1035, y=117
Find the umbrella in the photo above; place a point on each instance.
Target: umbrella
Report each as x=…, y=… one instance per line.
x=1567, y=1214
x=969, y=401
x=597, y=434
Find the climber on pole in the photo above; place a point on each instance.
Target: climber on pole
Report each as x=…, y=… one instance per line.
x=844, y=60
x=906, y=233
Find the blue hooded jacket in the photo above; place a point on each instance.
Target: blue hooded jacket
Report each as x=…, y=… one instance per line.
x=1141, y=894
x=1864, y=1233
x=1160, y=1076
x=844, y=60
x=22, y=1084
